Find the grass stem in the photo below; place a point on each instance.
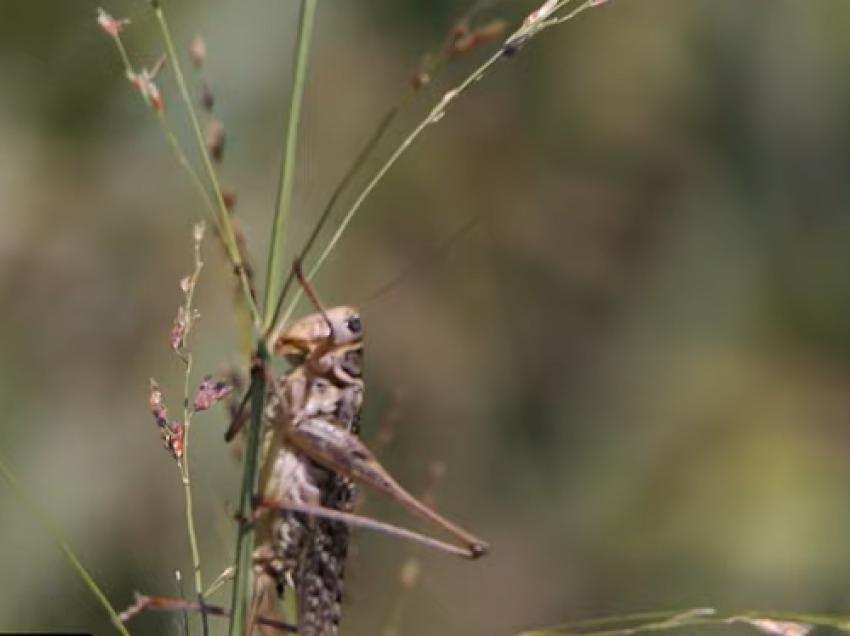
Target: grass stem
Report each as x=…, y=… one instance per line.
x=187, y=424
x=435, y=115
x=283, y=205
x=55, y=534
x=222, y=216
x=245, y=536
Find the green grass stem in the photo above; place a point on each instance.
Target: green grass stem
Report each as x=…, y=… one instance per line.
x=766, y=622
x=222, y=215
x=245, y=536
x=56, y=535
x=283, y=205
x=435, y=115
x=187, y=423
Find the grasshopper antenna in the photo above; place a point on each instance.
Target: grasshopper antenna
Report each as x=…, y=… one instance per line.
x=427, y=259
x=298, y=270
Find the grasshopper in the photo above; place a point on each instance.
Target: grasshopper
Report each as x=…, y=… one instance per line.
x=313, y=461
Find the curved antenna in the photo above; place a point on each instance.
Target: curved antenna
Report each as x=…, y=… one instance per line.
x=341, y=187
x=298, y=271
x=443, y=55
x=429, y=258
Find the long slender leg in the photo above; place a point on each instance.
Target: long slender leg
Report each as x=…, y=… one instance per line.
x=239, y=417
x=167, y=604
x=370, y=524
x=344, y=453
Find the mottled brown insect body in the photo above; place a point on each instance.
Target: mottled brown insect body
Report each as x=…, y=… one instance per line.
x=325, y=383
x=313, y=457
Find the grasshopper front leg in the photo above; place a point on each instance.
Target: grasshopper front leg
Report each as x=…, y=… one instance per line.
x=342, y=452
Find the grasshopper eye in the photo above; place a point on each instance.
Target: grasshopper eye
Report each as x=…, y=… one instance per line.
x=354, y=325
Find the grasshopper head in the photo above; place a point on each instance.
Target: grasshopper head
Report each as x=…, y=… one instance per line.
x=339, y=326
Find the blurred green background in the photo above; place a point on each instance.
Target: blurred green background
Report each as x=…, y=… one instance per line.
x=635, y=366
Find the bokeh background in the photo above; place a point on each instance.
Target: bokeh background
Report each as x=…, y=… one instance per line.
x=634, y=366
